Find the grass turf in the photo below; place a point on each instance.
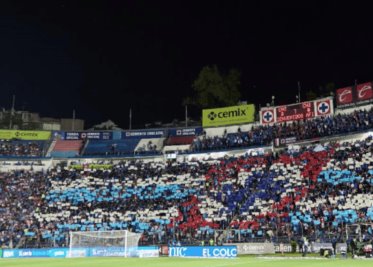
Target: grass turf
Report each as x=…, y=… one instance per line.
x=183, y=262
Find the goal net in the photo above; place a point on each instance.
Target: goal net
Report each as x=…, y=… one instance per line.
x=104, y=244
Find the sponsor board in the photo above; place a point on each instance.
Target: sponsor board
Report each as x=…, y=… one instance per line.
x=285, y=141
x=154, y=133
x=203, y=252
x=228, y=115
x=88, y=135
x=151, y=251
x=185, y=131
x=364, y=92
x=316, y=247
x=24, y=135
x=351, y=95
x=344, y=96
x=254, y=248
x=285, y=247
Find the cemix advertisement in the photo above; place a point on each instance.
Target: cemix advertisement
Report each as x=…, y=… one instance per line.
x=24, y=135
x=228, y=115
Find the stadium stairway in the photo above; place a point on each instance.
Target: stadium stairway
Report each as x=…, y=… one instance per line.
x=67, y=148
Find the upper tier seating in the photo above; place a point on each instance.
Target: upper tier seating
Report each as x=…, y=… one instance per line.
x=20, y=148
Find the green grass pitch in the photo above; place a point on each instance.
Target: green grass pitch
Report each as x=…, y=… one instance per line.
x=182, y=262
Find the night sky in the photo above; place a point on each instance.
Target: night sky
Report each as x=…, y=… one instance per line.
x=103, y=57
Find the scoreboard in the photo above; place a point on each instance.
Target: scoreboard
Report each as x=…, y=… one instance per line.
x=300, y=111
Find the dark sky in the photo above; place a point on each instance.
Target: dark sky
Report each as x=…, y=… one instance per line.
x=103, y=57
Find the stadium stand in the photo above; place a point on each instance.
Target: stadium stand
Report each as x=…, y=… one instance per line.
x=259, y=135
x=280, y=195
x=312, y=190
x=18, y=148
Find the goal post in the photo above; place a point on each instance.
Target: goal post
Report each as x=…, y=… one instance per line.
x=121, y=243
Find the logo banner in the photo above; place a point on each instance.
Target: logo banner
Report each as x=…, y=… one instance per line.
x=88, y=135
x=267, y=115
x=153, y=133
x=345, y=96
x=228, y=115
x=351, y=95
x=324, y=107
x=364, y=92
x=185, y=131
x=24, y=135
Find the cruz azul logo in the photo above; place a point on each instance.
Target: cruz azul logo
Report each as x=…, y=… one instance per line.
x=268, y=116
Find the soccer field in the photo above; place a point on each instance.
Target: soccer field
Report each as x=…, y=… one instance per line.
x=182, y=262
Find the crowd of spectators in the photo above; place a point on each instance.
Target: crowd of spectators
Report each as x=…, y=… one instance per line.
x=261, y=135
x=315, y=191
x=21, y=194
x=21, y=148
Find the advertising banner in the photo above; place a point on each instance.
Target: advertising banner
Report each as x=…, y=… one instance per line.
x=203, y=252
x=151, y=251
x=284, y=141
x=254, y=248
x=298, y=111
x=185, y=131
x=364, y=92
x=344, y=96
x=228, y=115
x=34, y=253
x=24, y=135
x=285, y=247
x=88, y=135
x=316, y=247
x=352, y=95
x=151, y=133
x=1, y=253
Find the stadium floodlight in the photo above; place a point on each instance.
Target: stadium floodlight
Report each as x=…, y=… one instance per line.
x=121, y=243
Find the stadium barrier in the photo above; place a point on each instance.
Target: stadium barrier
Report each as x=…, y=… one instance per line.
x=152, y=251
x=203, y=252
x=254, y=248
